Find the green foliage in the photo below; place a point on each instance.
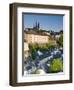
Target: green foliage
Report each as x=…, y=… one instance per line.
x=32, y=50
x=42, y=47
x=56, y=65
x=60, y=41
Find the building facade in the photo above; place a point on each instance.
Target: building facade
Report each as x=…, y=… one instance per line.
x=36, y=38
x=26, y=51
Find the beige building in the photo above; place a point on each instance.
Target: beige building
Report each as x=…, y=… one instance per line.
x=36, y=38
x=26, y=50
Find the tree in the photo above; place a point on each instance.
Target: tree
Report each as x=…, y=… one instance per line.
x=60, y=41
x=32, y=50
x=56, y=65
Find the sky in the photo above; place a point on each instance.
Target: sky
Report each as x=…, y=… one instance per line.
x=47, y=22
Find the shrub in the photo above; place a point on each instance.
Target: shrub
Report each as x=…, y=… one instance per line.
x=56, y=65
x=60, y=41
x=32, y=50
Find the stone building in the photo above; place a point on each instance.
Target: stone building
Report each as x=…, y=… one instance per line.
x=34, y=37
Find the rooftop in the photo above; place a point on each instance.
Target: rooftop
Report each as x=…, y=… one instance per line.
x=36, y=33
